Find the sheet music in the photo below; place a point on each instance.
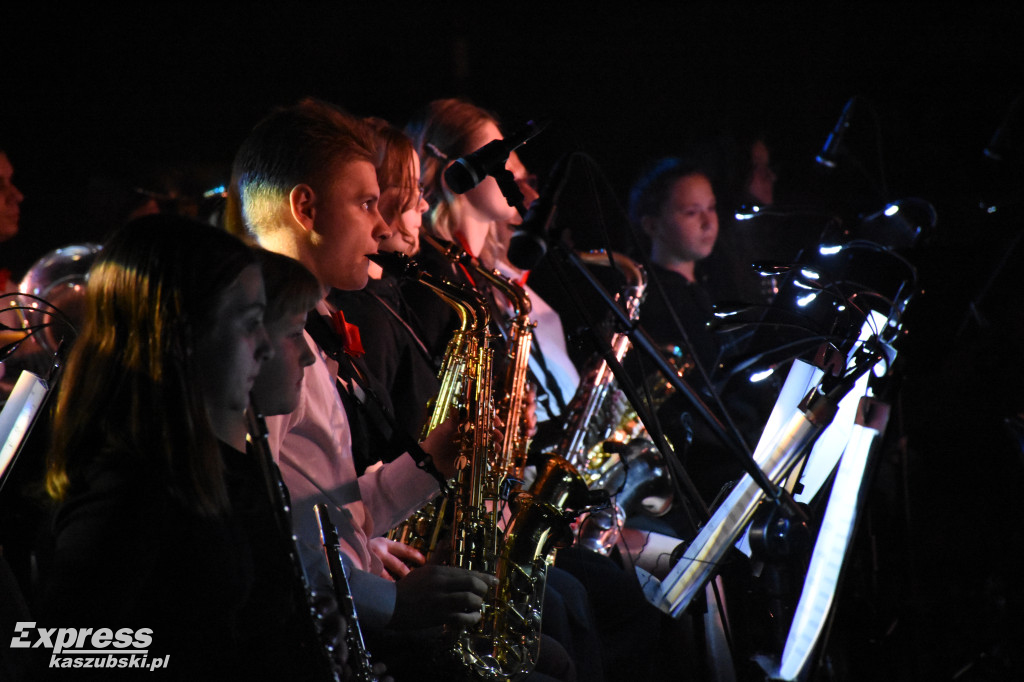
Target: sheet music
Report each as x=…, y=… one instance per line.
x=730, y=518
x=829, y=551
x=17, y=417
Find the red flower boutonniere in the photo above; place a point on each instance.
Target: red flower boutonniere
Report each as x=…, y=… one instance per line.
x=351, y=344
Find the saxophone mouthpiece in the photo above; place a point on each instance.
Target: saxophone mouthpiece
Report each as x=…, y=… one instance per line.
x=394, y=263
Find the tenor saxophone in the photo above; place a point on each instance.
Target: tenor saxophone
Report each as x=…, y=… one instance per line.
x=601, y=427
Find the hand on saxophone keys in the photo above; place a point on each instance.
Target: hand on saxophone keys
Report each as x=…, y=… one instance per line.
x=398, y=558
x=440, y=595
x=442, y=446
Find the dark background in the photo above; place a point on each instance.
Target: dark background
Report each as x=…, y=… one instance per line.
x=161, y=98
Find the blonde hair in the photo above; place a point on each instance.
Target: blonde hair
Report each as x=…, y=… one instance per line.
x=442, y=133
x=303, y=143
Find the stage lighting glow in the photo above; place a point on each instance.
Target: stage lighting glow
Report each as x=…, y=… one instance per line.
x=809, y=274
x=804, y=301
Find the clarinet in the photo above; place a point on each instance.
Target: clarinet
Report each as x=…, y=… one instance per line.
x=358, y=656
x=327, y=668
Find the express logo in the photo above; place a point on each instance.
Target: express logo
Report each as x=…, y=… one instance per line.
x=78, y=640
x=89, y=647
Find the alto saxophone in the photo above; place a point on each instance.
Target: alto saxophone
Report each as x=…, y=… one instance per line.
x=602, y=428
x=457, y=377
x=512, y=404
x=505, y=644
x=518, y=333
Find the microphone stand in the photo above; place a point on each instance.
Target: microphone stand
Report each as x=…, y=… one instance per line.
x=734, y=443
x=679, y=476
x=510, y=190
x=731, y=438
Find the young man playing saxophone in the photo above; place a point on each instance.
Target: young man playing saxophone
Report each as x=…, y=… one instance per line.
x=307, y=189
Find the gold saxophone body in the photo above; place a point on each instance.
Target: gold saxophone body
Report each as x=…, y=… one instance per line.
x=505, y=644
x=511, y=403
x=602, y=428
x=460, y=367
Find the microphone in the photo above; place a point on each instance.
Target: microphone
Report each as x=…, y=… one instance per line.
x=830, y=152
x=469, y=171
x=529, y=241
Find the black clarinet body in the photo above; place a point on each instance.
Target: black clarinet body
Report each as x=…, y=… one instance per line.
x=358, y=657
x=327, y=666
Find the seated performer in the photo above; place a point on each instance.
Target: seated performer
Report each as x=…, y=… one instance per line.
x=446, y=130
x=292, y=291
x=389, y=328
x=308, y=189
x=674, y=206
x=10, y=202
x=630, y=630
x=738, y=164
x=165, y=534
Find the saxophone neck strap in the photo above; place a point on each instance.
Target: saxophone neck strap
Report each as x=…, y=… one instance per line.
x=413, y=334
x=351, y=371
x=550, y=383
